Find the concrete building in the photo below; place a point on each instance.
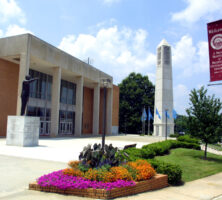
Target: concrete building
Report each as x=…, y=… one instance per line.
x=163, y=91
x=68, y=96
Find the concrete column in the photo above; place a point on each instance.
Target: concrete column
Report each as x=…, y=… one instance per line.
x=79, y=105
x=96, y=98
x=23, y=71
x=55, y=101
x=109, y=110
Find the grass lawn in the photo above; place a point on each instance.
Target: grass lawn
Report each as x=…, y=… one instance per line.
x=192, y=163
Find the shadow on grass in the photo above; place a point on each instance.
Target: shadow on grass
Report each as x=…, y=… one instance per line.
x=209, y=158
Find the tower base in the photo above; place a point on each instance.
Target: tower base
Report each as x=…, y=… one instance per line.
x=160, y=129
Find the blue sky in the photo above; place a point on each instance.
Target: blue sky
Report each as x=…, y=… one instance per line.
x=121, y=36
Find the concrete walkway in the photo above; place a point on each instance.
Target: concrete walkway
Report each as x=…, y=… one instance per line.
x=19, y=166
x=66, y=149
x=210, y=150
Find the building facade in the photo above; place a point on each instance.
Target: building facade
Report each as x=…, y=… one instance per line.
x=68, y=95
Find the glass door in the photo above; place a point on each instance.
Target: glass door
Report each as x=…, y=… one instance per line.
x=66, y=122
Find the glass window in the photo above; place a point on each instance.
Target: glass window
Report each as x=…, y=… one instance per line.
x=49, y=87
x=67, y=93
x=31, y=111
x=63, y=92
x=48, y=115
x=41, y=88
x=70, y=94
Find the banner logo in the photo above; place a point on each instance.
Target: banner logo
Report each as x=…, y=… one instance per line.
x=216, y=42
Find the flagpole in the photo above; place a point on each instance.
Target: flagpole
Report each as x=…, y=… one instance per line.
x=143, y=122
x=148, y=121
x=166, y=124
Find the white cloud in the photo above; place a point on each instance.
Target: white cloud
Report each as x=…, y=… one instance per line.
x=198, y=9
x=152, y=77
x=1, y=33
x=15, y=30
x=10, y=10
x=115, y=51
x=203, y=56
x=181, y=98
x=190, y=58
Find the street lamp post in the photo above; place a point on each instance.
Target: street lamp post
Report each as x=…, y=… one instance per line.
x=105, y=83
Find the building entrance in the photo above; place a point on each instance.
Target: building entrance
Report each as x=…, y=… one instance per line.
x=39, y=104
x=66, y=122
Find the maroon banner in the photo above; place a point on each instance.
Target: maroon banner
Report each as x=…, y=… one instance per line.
x=215, y=49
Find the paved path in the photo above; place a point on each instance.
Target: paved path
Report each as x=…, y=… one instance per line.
x=18, y=168
x=66, y=149
x=211, y=150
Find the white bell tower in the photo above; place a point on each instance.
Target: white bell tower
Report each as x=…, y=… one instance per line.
x=163, y=91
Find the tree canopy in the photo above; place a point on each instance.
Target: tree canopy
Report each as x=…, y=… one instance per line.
x=181, y=124
x=204, y=117
x=136, y=92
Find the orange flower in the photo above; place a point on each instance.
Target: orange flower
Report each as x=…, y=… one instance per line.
x=73, y=163
x=121, y=173
x=73, y=172
x=91, y=174
x=144, y=170
x=109, y=177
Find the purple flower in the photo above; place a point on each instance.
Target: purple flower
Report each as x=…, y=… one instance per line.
x=62, y=181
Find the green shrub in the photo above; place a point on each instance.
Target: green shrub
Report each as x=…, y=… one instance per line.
x=156, y=149
x=189, y=145
x=174, y=172
x=133, y=153
x=188, y=139
x=148, y=153
x=174, y=135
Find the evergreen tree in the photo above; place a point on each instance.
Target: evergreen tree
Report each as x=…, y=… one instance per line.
x=204, y=117
x=136, y=92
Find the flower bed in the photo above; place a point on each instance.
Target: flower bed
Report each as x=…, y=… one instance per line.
x=102, y=173
x=157, y=182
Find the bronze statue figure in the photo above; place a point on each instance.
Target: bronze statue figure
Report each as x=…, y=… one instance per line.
x=25, y=92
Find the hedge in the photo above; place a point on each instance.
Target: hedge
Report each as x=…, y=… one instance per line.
x=173, y=171
x=188, y=139
x=161, y=148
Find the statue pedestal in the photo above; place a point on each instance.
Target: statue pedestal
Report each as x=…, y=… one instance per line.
x=23, y=131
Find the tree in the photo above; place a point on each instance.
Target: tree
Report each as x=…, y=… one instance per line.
x=181, y=124
x=136, y=92
x=204, y=117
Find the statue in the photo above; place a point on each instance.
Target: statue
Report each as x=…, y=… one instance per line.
x=25, y=92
